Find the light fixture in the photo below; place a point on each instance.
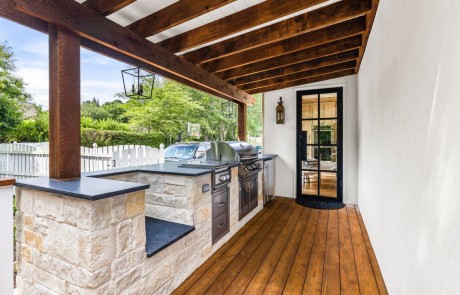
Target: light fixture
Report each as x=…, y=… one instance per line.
x=228, y=108
x=280, y=112
x=142, y=82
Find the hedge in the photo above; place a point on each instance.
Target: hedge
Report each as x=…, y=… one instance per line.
x=110, y=137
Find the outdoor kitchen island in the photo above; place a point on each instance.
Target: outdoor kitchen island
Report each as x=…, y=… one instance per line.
x=89, y=236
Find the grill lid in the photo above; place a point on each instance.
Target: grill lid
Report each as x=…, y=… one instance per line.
x=231, y=151
x=244, y=150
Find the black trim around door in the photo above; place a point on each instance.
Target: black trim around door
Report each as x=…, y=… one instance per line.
x=301, y=147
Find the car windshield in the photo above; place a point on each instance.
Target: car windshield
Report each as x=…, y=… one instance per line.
x=180, y=152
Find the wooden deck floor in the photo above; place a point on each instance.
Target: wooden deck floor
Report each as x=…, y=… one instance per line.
x=291, y=249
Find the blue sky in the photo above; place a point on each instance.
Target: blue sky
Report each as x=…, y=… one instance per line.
x=100, y=76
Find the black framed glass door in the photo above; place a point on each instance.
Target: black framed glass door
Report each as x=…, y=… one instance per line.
x=319, y=142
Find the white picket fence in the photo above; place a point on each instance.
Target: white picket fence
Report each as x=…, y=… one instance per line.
x=24, y=160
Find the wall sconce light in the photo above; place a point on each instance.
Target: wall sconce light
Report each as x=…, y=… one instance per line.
x=280, y=112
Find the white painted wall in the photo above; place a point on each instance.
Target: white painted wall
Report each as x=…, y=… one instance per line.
x=281, y=138
x=409, y=145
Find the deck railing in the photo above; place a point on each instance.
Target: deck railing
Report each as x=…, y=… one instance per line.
x=24, y=160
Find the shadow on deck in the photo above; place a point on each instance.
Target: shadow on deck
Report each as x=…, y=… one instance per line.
x=291, y=249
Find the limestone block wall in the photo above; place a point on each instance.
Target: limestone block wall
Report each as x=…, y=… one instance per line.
x=73, y=246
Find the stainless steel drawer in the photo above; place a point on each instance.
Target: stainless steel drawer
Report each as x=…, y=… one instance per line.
x=220, y=226
x=220, y=202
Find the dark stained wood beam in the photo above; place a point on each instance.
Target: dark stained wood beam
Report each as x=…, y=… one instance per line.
x=301, y=24
x=8, y=11
x=90, y=25
x=106, y=7
x=64, y=103
x=294, y=58
x=174, y=15
x=303, y=81
x=301, y=67
x=245, y=19
x=370, y=22
x=301, y=75
x=242, y=121
x=325, y=35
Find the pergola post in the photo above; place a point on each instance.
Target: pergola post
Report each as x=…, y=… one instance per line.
x=64, y=103
x=242, y=118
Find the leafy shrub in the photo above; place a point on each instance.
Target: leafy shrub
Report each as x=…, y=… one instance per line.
x=110, y=137
x=105, y=124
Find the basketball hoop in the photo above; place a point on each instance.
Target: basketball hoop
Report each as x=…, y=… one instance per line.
x=194, y=130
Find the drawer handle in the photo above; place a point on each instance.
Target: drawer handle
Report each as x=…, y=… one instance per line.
x=222, y=224
x=221, y=204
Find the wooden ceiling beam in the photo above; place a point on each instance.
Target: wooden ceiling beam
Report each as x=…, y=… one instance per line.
x=322, y=36
x=301, y=67
x=174, y=15
x=370, y=22
x=293, y=58
x=88, y=24
x=245, y=19
x=106, y=7
x=301, y=24
x=301, y=75
x=303, y=81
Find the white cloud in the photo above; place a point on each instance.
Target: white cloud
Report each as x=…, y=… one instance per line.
x=37, y=82
x=103, y=90
x=39, y=47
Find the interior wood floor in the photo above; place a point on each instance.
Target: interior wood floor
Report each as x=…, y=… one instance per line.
x=290, y=249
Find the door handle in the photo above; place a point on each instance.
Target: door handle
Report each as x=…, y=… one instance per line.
x=222, y=224
x=221, y=204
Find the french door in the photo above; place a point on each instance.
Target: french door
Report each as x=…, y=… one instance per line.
x=319, y=144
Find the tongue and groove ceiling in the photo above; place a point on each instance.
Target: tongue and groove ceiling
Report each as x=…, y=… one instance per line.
x=251, y=46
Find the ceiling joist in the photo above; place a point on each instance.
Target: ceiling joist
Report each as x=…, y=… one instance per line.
x=174, y=15
x=335, y=47
x=322, y=36
x=310, y=21
x=106, y=7
x=88, y=24
x=234, y=23
x=303, y=81
x=301, y=75
x=301, y=67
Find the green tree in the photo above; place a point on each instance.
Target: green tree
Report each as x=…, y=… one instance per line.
x=254, y=118
x=13, y=97
x=33, y=129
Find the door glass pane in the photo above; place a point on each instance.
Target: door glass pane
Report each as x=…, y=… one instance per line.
x=328, y=158
x=328, y=106
x=328, y=185
x=327, y=132
x=311, y=127
x=310, y=183
x=312, y=158
x=309, y=106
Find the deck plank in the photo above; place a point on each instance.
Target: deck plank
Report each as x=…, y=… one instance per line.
x=244, y=234
x=331, y=274
x=247, y=256
x=281, y=272
x=348, y=277
x=291, y=249
x=314, y=279
x=366, y=279
x=375, y=265
x=296, y=279
x=260, y=279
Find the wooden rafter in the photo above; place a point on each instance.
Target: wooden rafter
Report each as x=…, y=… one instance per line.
x=294, y=58
x=256, y=15
x=322, y=36
x=301, y=24
x=370, y=21
x=301, y=67
x=106, y=7
x=303, y=81
x=301, y=75
x=174, y=15
x=90, y=25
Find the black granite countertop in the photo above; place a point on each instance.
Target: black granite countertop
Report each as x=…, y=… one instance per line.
x=267, y=156
x=84, y=188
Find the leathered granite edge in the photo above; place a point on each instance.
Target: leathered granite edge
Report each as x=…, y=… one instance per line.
x=87, y=188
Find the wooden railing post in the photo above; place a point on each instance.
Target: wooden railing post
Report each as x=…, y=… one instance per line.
x=6, y=235
x=64, y=106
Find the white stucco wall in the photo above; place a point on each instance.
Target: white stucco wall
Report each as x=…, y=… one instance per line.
x=409, y=145
x=281, y=138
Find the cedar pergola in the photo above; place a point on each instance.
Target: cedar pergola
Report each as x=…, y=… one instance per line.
x=268, y=46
